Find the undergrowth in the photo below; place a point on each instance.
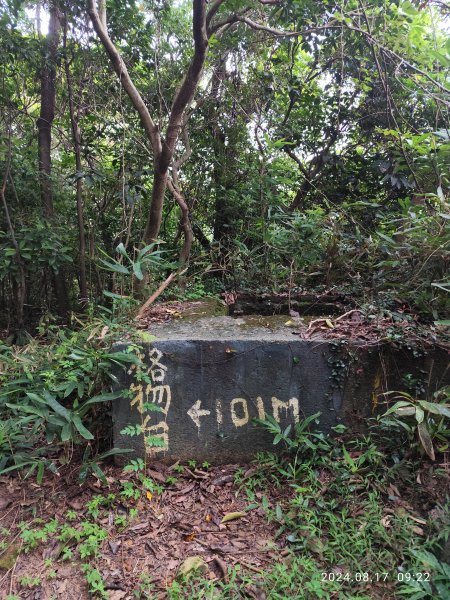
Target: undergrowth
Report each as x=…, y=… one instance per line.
x=352, y=523
x=54, y=392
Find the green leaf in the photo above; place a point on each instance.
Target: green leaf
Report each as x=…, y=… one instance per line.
x=146, y=249
x=36, y=398
x=17, y=466
x=121, y=250
x=31, y=410
x=425, y=440
x=113, y=295
x=69, y=388
x=106, y=397
x=420, y=415
x=192, y=564
x=152, y=407
x=66, y=432
x=232, y=516
x=115, y=267
x=436, y=409
x=97, y=470
x=57, y=407
x=387, y=239
x=126, y=357
x=114, y=452
x=442, y=286
x=40, y=473
x=405, y=411
x=138, y=271
x=396, y=406
x=81, y=428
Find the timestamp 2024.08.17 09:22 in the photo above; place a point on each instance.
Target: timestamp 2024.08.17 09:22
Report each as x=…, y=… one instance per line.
x=375, y=577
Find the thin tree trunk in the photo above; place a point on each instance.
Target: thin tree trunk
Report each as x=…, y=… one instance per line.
x=20, y=287
x=44, y=124
x=156, y=207
x=76, y=136
x=163, y=149
x=185, y=222
x=47, y=112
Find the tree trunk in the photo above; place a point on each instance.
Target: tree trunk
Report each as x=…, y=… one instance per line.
x=163, y=149
x=47, y=112
x=19, y=283
x=44, y=124
x=76, y=136
x=156, y=207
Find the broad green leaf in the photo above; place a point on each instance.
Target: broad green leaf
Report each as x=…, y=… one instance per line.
x=31, y=410
x=115, y=267
x=81, y=428
x=397, y=405
x=405, y=411
x=420, y=415
x=146, y=249
x=97, y=470
x=113, y=295
x=425, y=440
x=36, y=398
x=69, y=388
x=66, y=432
x=114, y=452
x=121, y=250
x=106, y=397
x=57, y=407
x=40, y=473
x=436, y=409
x=138, y=271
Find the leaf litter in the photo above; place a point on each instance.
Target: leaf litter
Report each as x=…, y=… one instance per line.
x=201, y=522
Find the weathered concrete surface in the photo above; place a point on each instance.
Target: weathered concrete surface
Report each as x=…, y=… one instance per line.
x=210, y=378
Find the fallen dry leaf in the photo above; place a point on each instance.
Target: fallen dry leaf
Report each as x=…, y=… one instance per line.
x=232, y=516
x=156, y=476
x=191, y=564
x=9, y=557
x=417, y=520
x=222, y=548
x=222, y=566
x=386, y=521
x=4, y=503
x=116, y=595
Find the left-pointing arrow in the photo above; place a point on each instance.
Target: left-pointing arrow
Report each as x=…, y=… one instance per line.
x=195, y=412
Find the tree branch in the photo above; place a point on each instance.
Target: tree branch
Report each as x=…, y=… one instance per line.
x=124, y=77
x=189, y=85
x=213, y=11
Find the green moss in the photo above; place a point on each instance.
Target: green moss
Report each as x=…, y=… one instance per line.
x=9, y=557
x=200, y=309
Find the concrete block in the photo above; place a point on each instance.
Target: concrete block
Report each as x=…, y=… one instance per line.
x=211, y=379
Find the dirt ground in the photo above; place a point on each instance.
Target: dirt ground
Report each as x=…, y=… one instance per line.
x=182, y=521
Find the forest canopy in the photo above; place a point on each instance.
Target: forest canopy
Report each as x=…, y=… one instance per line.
x=260, y=144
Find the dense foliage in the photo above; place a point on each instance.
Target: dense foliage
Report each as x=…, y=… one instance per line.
x=310, y=150
x=229, y=146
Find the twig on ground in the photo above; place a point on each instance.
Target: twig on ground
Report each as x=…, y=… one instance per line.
x=12, y=574
x=159, y=291
x=349, y=312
